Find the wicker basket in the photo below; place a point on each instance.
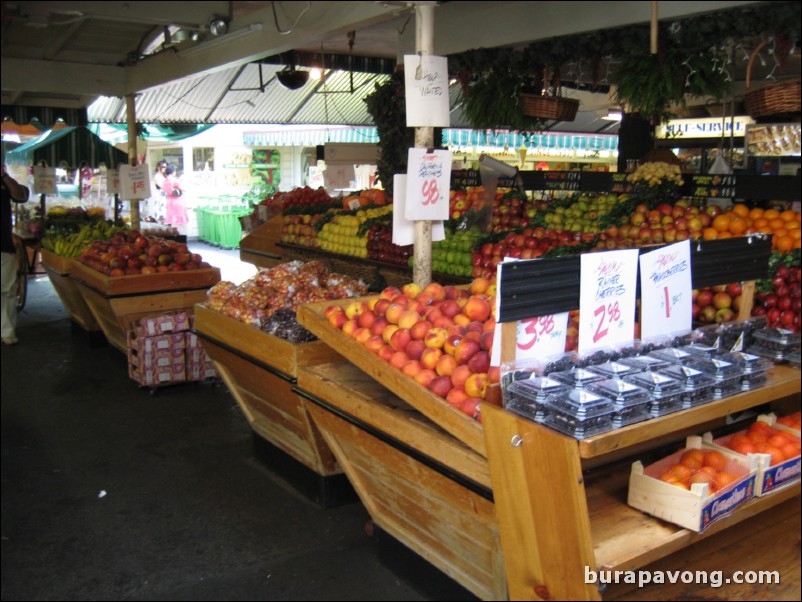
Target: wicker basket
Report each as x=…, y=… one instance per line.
x=549, y=107
x=771, y=99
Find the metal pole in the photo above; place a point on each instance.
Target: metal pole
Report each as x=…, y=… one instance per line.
x=654, y=29
x=130, y=111
x=424, y=138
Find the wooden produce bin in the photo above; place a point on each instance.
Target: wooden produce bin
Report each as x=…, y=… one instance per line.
x=260, y=369
x=260, y=246
x=116, y=302
x=560, y=504
x=59, y=271
x=419, y=484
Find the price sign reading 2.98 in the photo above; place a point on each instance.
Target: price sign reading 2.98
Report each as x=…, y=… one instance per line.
x=541, y=337
x=607, y=298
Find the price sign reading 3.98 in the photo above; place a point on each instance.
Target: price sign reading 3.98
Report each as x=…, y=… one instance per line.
x=541, y=337
x=607, y=298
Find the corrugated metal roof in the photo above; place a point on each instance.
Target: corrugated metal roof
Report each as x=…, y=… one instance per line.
x=242, y=95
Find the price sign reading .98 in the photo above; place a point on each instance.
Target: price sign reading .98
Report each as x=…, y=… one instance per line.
x=542, y=336
x=430, y=194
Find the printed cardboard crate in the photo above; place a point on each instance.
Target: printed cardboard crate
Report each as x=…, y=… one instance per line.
x=770, y=478
x=167, y=323
x=698, y=508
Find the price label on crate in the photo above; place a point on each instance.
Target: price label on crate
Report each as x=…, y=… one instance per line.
x=541, y=337
x=666, y=289
x=428, y=181
x=44, y=180
x=607, y=298
x=134, y=182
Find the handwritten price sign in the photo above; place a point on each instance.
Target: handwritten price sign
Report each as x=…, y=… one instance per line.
x=666, y=290
x=44, y=180
x=541, y=337
x=134, y=182
x=426, y=91
x=112, y=181
x=428, y=180
x=607, y=298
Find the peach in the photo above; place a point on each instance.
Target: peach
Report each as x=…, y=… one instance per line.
x=411, y=290
x=436, y=337
x=475, y=326
x=408, y=319
x=386, y=353
x=465, y=350
x=434, y=290
x=456, y=396
x=449, y=308
x=334, y=313
x=429, y=357
x=460, y=375
x=462, y=320
x=374, y=343
x=381, y=307
x=362, y=334
x=355, y=308
x=479, y=286
x=440, y=385
x=472, y=406
x=450, y=346
x=424, y=299
x=400, y=339
x=486, y=340
x=419, y=329
x=477, y=309
x=411, y=368
x=390, y=293
x=425, y=376
x=479, y=362
x=442, y=322
x=398, y=359
x=388, y=332
x=366, y=319
x=451, y=292
x=394, y=312
x=378, y=325
x=476, y=385
x=414, y=349
x=350, y=327
x=445, y=365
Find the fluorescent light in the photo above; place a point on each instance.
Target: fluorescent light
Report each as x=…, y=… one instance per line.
x=220, y=40
x=613, y=115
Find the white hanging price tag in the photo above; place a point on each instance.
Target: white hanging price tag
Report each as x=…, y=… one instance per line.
x=44, y=180
x=666, y=290
x=134, y=182
x=541, y=337
x=428, y=181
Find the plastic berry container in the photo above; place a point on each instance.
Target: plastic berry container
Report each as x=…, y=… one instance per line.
x=775, y=355
x=646, y=363
x=691, y=377
x=739, y=335
x=700, y=349
x=707, y=335
x=614, y=369
x=560, y=363
x=631, y=415
x=753, y=381
x=538, y=388
x=675, y=355
x=727, y=387
x=749, y=362
x=666, y=391
x=579, y=378
x=526, y=401
x=721, y=369
x=620, y=392
x=777, y=339
x=579, y=414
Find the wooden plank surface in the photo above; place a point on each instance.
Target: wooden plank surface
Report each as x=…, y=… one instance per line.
x=73, y=300
x=459, y=424
x=263, y=239
x=448, y=525
x=284, y=356
x=274, y=411
x=358, y=395
x=783, y=381
x=60, y=265
x=146, y=283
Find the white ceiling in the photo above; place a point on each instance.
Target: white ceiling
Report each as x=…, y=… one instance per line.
x=66, y=54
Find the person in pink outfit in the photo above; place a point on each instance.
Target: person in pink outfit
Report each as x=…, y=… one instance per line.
x=176, y=210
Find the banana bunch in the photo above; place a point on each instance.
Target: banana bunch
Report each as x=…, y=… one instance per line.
x=71, y=245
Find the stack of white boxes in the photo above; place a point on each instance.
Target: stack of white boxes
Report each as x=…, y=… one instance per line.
x=162, y=350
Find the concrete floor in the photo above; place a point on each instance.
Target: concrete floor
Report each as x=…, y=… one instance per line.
x=109, y=492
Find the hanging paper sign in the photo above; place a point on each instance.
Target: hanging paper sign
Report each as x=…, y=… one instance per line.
x=44, y=180
x=134, y=182
x=339, y=176
x=666, y=289
x=112, y=181
x=541, y=337
x=426, y=86
x=607, y=298
x=403, y=229
x=428, y=181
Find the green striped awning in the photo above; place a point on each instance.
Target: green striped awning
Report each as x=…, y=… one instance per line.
x=311, y=137
x=566, y=141
x=73, y=145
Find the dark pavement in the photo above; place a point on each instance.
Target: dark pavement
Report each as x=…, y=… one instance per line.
x=110, y=492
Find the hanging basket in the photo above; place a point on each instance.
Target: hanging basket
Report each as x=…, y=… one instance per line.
x=771, y=99
x=549, y=107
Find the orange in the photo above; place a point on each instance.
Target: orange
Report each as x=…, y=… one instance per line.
x=759, y=425
x=710, y=234
x=777, y=223
x=740, y=210
x=789, y=215
x=777, y=440
x=738, y=225
x=722, y=222
x=784, y=243
x=761, y=221
x=724, y=235
x=756, y=212
x=725, y=478
x=715, y=459
x=682, y=473
x=696, y=454
x=771, y=213
x=745, y=448
x=777, y=455
x=737, y=439
x=757, y=437
x=790, y=450
x=668, y=477
x=704, y=477
x=765, y=229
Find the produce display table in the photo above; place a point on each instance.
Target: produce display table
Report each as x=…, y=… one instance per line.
x=59, y=271
x=555, y=505
x=116, y=302
x=260, y=246
x=260, y=370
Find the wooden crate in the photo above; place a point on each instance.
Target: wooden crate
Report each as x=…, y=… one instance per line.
x=259, y=370
x=117, y=302
x=459, y=424
x=58, y=270
x=420, y=484
x=259, y=247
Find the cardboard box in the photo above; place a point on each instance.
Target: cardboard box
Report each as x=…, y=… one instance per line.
x=171, y=322
x=697, y=508
x=197, y=371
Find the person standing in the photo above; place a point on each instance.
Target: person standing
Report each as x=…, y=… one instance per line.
x=11, y=191
x=176, y=208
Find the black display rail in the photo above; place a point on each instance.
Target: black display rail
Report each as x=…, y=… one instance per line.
x=734, y=186
x=548, y=286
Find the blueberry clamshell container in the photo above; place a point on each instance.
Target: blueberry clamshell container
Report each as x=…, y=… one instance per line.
x=569, y=425
x=701, y=349
x=775, y=355
x=692, y=378
x=577, y=378
x=721, y=369
x=777, y=339
x=727, y=387
x=697, y=397
x=753, y=381
x=620, y=392
x=749, y=362
x=675, y=355
x=666, y=405
x=707, y=335
x=614, y=369
x=537, y=388
x=631, y=415
x=646, y=363
x=581, y=404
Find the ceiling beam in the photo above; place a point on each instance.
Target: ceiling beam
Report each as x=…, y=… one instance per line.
x=61, y=78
